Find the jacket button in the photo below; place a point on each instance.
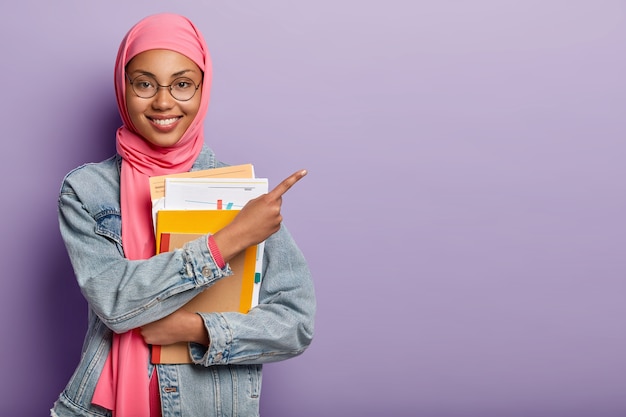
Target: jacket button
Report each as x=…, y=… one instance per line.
x=207, y=272
x=218, y=357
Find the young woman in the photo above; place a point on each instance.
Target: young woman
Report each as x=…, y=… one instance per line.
x=162, y=82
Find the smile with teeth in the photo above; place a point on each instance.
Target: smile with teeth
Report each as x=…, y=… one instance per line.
x=165, y=122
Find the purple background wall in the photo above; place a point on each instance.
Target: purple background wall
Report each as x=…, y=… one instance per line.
x=463, y=216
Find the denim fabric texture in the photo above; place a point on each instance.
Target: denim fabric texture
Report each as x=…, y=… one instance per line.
x=225, y=379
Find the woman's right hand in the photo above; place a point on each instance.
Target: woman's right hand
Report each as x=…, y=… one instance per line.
x=258, y=219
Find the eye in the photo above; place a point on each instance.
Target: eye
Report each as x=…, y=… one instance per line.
x=183, y=84
x=144, y=83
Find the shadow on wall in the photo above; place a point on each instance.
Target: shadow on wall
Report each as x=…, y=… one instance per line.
x=63, y=323
x=95, y=135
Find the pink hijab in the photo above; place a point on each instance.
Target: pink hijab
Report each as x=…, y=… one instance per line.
x=123, y=385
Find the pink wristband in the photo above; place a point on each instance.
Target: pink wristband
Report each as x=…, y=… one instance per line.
x=215, y=252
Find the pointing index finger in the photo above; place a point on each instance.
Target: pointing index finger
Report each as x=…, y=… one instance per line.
x=287, y=183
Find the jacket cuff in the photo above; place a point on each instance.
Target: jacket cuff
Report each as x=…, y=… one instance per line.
x=200, y=264
x=220, y=342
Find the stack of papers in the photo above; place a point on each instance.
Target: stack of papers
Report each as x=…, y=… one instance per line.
x=190, y=205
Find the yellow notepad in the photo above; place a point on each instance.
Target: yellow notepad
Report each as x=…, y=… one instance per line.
x=232, y=293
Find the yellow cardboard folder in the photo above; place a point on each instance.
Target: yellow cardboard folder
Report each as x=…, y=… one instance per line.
x=233, y=293
x=157, y=184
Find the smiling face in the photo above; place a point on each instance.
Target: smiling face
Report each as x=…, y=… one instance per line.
x=162, y=120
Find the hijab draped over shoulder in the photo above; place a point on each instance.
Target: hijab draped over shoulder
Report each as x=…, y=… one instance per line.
x=123, y=385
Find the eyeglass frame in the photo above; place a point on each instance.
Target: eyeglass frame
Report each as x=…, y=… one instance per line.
x=158, y=86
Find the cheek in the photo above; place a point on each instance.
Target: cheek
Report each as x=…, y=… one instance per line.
x=134, y=109
x=193, y=108
x=129, y=100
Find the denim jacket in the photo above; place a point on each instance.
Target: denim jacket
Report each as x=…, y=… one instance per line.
x=225, y=379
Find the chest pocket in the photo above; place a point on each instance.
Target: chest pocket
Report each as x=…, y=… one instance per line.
x=109, y=224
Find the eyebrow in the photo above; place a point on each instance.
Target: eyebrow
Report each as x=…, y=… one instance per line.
x=176, y=74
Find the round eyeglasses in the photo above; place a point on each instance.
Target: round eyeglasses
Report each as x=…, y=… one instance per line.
x=145, y=86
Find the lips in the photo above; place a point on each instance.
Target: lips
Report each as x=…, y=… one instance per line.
x=165, y=123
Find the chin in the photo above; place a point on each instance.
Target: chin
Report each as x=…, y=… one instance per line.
x=163, y=141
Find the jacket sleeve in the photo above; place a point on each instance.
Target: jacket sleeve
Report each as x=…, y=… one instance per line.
x=280, y=327
x=124, y=293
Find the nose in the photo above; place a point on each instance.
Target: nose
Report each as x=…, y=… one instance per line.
x=163, y=99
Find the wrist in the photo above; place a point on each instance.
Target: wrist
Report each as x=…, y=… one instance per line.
x=198, y=330
x=215, y=252
x=228, y=243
